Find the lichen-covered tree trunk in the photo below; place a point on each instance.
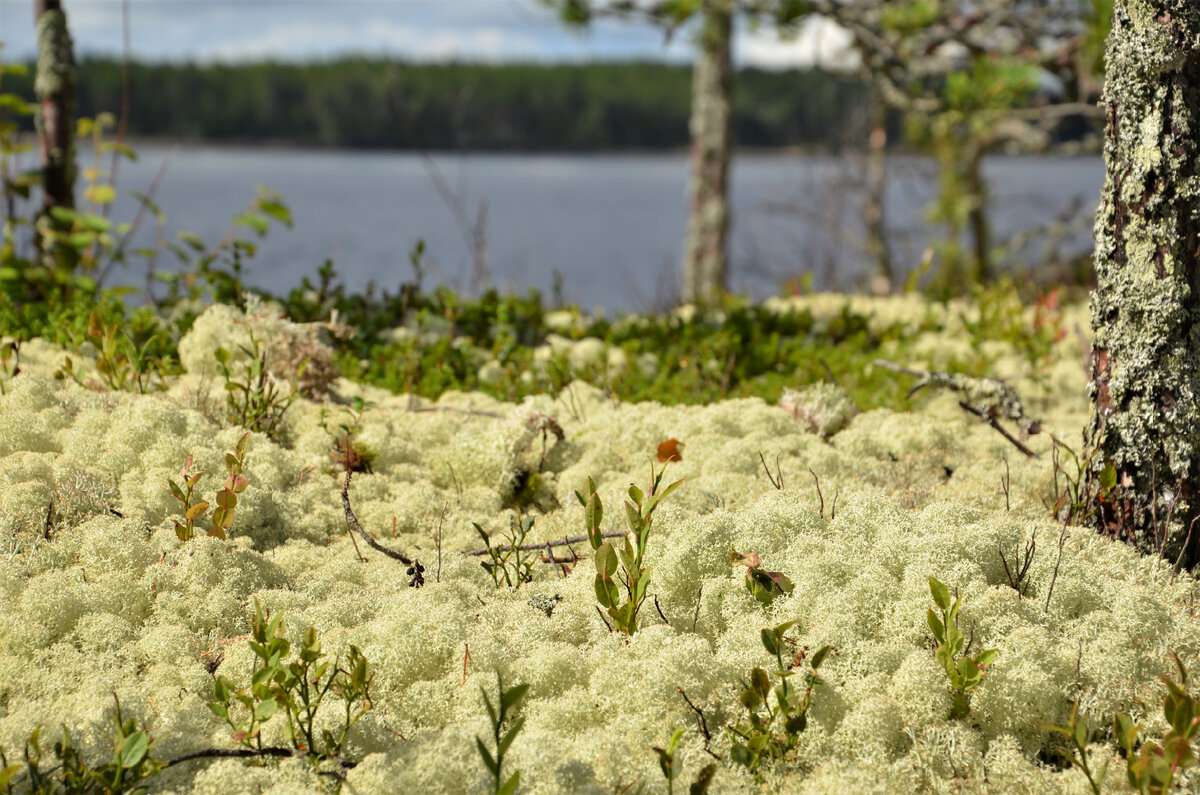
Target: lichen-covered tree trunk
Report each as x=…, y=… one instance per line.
x=1144, y=477
x=54, y=84
x=704, y=250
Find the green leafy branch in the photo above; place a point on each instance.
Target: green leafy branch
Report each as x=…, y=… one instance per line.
x=499, y=715
x=1152, y=767
x=297, y=689
x=634, y=575
x=772, y=731
x=965, y=673
x=222, y=518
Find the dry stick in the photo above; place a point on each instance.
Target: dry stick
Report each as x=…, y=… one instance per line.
x=1186, y=540
x=452, y=409
x=605, y=620
x=438, y=538
x=998, y=427
x=703, y=723
x=777, y=479
x=544, y=544
x=244, y=753
x=1006, y=481
x=819, y=494
x=660, y=612
x=1062, y=539
x=352, y=522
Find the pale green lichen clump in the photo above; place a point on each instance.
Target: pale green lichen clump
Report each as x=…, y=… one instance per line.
x=108, y=600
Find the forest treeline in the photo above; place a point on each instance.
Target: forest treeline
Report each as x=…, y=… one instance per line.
x=504, y=107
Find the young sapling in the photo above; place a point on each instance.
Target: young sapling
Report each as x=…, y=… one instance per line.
x=771, y=731
x=634, y=575
x=499, y=715
x=965, y=673
x=193, y=509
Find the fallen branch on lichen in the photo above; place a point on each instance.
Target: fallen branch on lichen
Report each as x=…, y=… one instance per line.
x=990, y=399
x=543, y=544
x=352, y=522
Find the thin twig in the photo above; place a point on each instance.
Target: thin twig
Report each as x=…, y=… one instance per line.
x=244, y=753
x=998, y=427
x=660, y=612
x=438, y=539
x=352, y=522
x=1186, y=540
x=777, y=478
x=1006, y=482
x=1062, y=539
x=702, y=723
x=820, y=496
x=455, y=410
x=605, y=620
x=544, y=544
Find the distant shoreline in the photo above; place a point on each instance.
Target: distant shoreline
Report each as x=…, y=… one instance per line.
x=743, y=151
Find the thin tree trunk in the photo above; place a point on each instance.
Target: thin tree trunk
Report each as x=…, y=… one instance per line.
x=875, y=194
x=1144, y=479
x=54, y=84
x=977, y=216
x=704, y=254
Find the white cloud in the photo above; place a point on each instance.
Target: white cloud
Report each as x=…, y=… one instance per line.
x=238, y=30
x=818, y=42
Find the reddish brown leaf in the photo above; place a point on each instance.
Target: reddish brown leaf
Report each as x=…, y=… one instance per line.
x=670, y=450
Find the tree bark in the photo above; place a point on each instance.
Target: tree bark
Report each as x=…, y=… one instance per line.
x=978, y=218
x=704, y=255
x=875, y=195
x=54, y=84
x=1144, y=430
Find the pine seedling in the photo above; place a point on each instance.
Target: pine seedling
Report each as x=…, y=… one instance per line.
x=634, y=575
x=965, y=673
x=506, y=701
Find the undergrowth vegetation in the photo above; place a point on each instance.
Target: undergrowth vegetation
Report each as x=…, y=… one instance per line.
x=804, y=530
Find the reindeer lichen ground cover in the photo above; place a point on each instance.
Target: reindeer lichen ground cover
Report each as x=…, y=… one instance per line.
x=100, y=596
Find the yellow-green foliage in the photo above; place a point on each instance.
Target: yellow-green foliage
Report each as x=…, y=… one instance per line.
x=111, y=601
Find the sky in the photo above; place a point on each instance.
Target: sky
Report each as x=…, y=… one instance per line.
x=474, y=30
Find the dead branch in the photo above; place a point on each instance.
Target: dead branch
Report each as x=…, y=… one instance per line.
x=703, y=724
x=544, y=544
x=352, y=522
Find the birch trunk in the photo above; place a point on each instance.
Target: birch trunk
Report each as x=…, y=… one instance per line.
x=704, y=254
x=1144, y=428
x=54, y=84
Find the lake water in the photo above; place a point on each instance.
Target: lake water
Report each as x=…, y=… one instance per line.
x=611, y=225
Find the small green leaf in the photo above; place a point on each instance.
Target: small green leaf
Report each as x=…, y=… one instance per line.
x=488, y=761
x=510, y=786
x=940, y=594
x=133, y=750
